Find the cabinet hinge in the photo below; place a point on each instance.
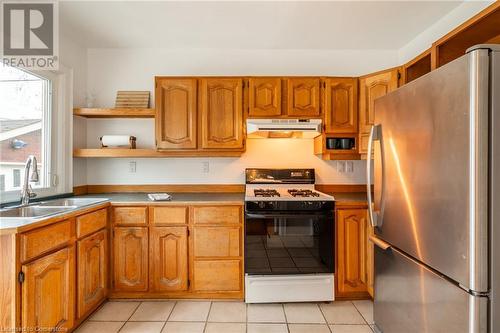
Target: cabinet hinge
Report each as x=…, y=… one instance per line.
x=20, y=277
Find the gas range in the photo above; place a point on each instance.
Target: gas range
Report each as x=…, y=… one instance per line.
x=284, y=189
x=289, y=233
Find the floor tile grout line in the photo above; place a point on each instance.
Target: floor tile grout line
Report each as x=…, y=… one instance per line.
x=364, y=319
x=324, y=317
x=208, y=315
x=286, y=319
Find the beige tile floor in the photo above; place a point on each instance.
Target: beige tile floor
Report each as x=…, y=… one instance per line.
x=229, y=317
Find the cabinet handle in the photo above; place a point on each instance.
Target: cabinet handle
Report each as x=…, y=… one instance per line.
x=380, y=243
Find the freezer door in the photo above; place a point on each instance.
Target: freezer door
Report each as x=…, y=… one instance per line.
x=431, y=169
x=411, y=298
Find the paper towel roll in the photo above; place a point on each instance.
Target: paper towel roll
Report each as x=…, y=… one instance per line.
x=116, y=140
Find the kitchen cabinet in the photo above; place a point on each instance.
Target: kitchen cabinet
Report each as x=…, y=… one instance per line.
x=351, y=253
x=303, y=97
x=92, y=271
x=340, y=105
x=221, y=104
x=264, y=96
x=130, y=258
x=48, y=292
x=372, y=87
x=217, y=275
x=176, y=113
x=169, y=258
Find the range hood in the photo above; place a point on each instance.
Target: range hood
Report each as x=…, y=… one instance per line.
x=283, y=128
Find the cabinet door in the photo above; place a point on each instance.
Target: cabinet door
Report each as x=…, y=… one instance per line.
x=169, y=258
x=175, y=113
x=130, y=258
x=221, y=106
x=217, y=275
x=92, y=271
x=351, y=252
x=341, y=105
x=264, y=97
x=371, y=88
x=48, y=292
x=303, y=97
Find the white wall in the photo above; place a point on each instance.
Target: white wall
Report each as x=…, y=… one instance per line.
x=276, y=153
x=450, y=21
x=110, y=70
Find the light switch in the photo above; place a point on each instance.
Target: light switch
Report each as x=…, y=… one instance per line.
x=341, y=166
x=206, y=167
x=132, y=166
x=349, y=166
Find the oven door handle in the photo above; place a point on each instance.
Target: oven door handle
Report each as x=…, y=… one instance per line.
x=284, y=216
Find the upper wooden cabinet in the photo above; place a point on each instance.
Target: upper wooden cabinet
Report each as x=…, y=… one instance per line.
x=130, y=256
x=92, y=271
x=340, y=105
x=169, y=258
x=221, y=103
x=372, y=87
x=351, y=253
x=264, y=97
x=176, y=113
x=48, y=292
x=303, y=97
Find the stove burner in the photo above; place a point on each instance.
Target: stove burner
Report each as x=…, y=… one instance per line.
x=303, y=193
x=266, y=193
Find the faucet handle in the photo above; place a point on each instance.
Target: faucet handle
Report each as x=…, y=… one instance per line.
x=31, y=194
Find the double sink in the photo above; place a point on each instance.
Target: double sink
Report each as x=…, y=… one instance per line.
x=48, y=208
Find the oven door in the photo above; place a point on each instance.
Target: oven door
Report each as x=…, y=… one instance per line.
x=289, y=243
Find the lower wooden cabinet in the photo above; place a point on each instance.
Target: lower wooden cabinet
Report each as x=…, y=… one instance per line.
x=217, y=275
x=92, y=271
x=48, y=292
x=352, y=272
x=130, y=259
x=168, y=250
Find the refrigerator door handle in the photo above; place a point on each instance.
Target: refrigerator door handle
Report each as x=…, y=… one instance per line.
x=380, y=243
x=375, y=216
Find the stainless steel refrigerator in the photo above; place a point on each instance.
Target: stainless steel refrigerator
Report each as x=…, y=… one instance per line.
x=436, y=199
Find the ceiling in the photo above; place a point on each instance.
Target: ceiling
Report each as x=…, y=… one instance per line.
x=249, y=25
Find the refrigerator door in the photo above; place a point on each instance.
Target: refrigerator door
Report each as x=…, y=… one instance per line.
x=412, y=298
x=431, y=169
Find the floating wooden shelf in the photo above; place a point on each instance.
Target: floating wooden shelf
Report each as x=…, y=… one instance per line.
x=128, y=153
x=114, y=113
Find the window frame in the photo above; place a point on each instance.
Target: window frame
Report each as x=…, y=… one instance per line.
x=58, y=170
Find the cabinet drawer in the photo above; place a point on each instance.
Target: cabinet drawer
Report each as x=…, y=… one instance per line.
x=168, y=215
x=91, y=222
x=217, y=275
x=39, y=241
x=130, y=215
x=217, y=215
x=217, y=241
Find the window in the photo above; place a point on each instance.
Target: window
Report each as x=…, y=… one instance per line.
x=25, y=115
x=16, y=176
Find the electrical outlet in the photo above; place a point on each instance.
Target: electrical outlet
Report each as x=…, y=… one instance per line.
x=349, y=166
x=341, y=166
x=206, y=167
x=132, y=167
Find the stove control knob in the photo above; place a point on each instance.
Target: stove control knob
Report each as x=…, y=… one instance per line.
x=262, y=204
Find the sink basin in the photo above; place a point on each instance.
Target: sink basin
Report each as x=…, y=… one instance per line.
x=71, y=202
x=33, y=211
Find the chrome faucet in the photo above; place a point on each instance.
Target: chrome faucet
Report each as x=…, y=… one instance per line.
x=27, y=192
